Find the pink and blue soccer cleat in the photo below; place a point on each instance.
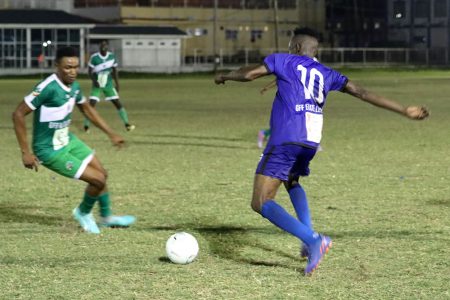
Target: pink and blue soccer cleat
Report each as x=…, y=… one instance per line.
x=316, y=253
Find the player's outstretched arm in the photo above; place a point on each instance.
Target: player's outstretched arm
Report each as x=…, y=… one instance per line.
x=29, y=160
x=243, y=74
x=412, y=112
x=92, y=114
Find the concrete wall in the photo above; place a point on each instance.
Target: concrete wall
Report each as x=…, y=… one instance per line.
x=109, y=13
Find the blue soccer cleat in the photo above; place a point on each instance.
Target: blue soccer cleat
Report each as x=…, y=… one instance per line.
x=118, y=221
x=86, y=221
x=316, y=253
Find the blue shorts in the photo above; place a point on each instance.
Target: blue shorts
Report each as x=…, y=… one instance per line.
x=286, y=162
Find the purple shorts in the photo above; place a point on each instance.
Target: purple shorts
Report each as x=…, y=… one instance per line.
x=287, y=161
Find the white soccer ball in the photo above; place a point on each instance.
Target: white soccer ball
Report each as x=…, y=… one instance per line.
x=182, y=248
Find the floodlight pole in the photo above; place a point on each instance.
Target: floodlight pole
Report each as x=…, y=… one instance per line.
x=275, y=15
x=215, y=58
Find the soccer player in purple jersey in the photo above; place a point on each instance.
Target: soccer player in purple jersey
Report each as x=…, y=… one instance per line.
x=296, y=124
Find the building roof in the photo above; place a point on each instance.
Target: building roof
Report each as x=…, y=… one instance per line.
x=136, y=30
x=40, y=16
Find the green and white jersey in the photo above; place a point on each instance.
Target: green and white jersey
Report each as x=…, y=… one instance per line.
x=102, y=67
x=52, y=102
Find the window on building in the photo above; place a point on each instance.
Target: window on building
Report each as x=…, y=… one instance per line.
x=36, y=35
x=231, y=34
x=49, y=34
x=420, y=39
x=255, y=35
x=74, y=36
x=440, y=8
x=421, y=8
x=62, y=36
x=196, y=31
x=13, y=48
x=399, y=9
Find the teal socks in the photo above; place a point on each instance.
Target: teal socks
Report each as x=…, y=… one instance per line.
x=87, y=204
x=105, y=205
x=123, y=115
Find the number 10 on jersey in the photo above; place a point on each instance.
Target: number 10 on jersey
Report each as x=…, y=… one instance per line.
x=312, y=85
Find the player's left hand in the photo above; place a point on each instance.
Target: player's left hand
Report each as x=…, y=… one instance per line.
x=218, y=79
x=417, y=112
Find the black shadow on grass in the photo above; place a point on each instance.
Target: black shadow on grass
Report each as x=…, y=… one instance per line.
x=227, y=241
x=164, y=259
x=439, y=202
x=197, y=137
x=146, y=143
x=20, y=214
x=410, y=234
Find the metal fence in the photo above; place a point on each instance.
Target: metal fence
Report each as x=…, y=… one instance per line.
x=196, y=60
x=377, y=57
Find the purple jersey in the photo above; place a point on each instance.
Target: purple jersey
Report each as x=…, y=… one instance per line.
x=303, y=85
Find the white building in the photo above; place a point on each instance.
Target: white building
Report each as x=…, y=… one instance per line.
x=29, y=39
x=142, y=48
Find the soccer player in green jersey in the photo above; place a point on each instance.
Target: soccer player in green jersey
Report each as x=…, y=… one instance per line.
x=52, y=102
x=102, y=71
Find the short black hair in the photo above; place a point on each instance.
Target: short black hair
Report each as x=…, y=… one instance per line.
x=65, y=52
x=305, y=31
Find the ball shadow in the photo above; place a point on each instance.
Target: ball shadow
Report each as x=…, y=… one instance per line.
x=227, y=242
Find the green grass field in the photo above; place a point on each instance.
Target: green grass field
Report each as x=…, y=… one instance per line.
x=380, y=189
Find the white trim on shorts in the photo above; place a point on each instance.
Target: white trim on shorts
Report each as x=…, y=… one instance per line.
x=94, y=98
x=111, y=98
x=83, y=166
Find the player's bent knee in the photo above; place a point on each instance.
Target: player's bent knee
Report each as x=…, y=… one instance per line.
x=257, y=203
x=99, y=183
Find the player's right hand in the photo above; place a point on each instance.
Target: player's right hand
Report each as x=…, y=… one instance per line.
x=30, y=161
x=117, y=140
x=417, y=112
